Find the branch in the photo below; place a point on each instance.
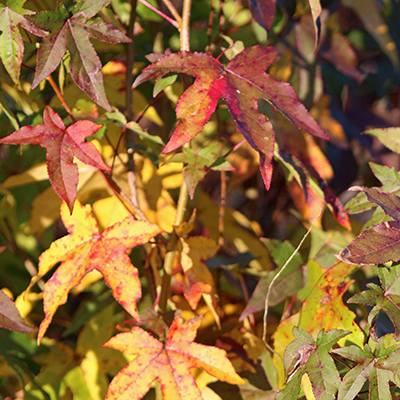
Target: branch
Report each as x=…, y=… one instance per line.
x=183, y=194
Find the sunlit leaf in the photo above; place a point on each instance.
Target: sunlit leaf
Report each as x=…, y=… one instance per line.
x=85, y=249
x=241, y=83
x=311, y=357
x=169, y=363
x=62, y=145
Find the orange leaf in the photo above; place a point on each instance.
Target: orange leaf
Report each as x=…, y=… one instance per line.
x=84, y=250
x=169, y=363
x=197, y=277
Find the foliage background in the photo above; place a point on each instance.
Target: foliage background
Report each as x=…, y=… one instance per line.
x=348, y=79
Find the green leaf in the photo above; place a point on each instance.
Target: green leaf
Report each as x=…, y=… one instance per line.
x=288, y=283
x=390, y=137
x=198, y=163
x=12, y=15
x=384, y=298
x=312, y=357
x=378, y=366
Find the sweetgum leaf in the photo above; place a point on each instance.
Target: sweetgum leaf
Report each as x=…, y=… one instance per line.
x=389, y=202
x=62, y=145
x=377, y=245
x=12, y=16
x=241, y=83
x=384, y=298
x=198, y=162
x=10, y=317
x=84, y=250
x=378, y=366
x=289, y=282
x=312, y=357
x=72, y=33
x=263, y=12
x=390, y=137
x=169, y=363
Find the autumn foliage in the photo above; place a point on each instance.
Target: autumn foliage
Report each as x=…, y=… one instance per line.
x=216, y=213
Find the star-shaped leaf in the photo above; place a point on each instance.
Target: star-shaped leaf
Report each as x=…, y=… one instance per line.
x=12, y=16
x=381, y=243
x=84, y=250
x=240, y=83
x=62, y=145
x=169, y=363
x=72, y=32
x=378, y=366
x=198, y=163
x=384, y=298
x=311, y=357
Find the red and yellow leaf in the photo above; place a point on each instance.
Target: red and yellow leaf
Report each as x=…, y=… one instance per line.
x=169, y=363
x=84, y=250
x=241, y=83
x=62, y=145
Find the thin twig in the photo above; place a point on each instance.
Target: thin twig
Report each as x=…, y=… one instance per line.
x=269, y=291
x=183, y=193
x=130, y=135
x=157, y=11
x=61, y=97
x=173, y=11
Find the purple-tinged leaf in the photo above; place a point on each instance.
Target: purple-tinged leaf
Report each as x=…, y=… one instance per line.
x=377, y=245
x=241, y=83
x=10, y=317
x=389, y=202
x=72, y=33
x=263, y=12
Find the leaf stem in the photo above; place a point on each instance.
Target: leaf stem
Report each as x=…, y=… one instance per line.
x=61, y=97
x=183, y=193
x=173, y=11
x=157, y=11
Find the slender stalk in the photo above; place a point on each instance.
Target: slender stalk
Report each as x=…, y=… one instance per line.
x=157, y=11
x=269, y=291
x=183, y=194
x=60, y=96
x=130, y=136
x=173, y=11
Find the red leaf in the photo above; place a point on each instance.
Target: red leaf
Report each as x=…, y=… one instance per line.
x=241, y=83
x=263, y=12
x=170, y=364
x=62, y=146
x=84, y=250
